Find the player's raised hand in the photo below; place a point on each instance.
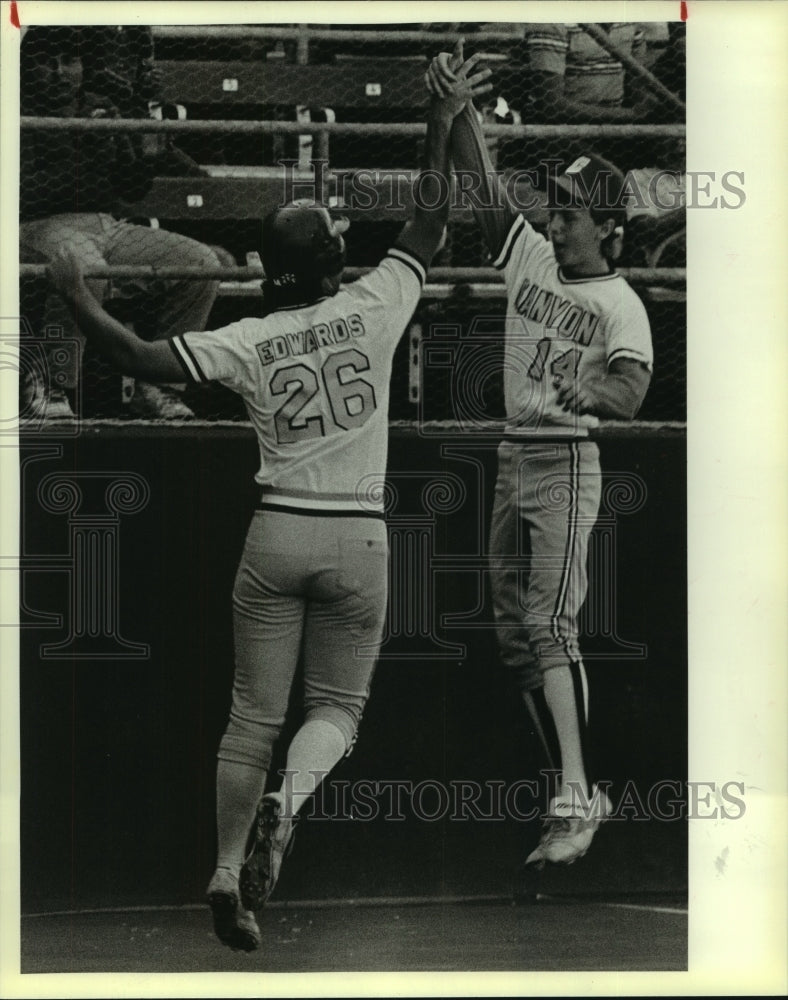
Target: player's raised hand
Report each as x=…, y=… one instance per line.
x=440, y=75
x=65, y=271
x=453, y=81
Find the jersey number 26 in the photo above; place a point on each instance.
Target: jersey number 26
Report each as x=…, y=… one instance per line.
x=351, y=399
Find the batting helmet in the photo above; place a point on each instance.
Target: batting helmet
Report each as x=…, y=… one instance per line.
x=302, y=245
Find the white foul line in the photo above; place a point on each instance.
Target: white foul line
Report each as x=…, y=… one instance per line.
x=651, y=909
x=361, y=901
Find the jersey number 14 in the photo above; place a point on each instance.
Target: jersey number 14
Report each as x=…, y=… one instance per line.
x=563, y=367
x=351, y=399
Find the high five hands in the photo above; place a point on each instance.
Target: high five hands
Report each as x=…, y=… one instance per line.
x=450, y=81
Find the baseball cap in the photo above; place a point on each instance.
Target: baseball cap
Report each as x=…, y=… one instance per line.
x=589, y=182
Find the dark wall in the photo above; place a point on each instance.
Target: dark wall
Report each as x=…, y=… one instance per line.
x=118, y=750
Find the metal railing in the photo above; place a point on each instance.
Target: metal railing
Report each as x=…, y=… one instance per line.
x=214, y=126
x=304, y=33
x=477, y=283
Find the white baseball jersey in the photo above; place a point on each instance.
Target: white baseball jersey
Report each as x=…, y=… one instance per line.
x=315, y=382
x=558, y=329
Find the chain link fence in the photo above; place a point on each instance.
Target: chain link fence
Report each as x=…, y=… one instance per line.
x=157, y=151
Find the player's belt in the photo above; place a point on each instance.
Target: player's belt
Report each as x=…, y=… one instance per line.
x=315, y=504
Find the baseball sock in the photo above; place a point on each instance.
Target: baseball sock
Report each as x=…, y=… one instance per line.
x=315, y=750
x=544, y=727
x=560, y=695
x=580, y=683
x=238, y=790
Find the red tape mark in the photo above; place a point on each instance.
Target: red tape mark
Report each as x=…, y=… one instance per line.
x=684, y=11
x=14, y=14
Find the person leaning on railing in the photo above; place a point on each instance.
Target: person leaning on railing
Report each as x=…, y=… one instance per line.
x=72, y=191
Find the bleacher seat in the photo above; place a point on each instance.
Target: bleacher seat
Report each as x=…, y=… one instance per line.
x=357, y=83
x=357, y=90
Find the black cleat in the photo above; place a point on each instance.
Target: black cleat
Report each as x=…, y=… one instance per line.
x=273, y=841
x=233, y=925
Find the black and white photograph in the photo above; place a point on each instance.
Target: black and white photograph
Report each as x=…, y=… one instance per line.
x=394, y=535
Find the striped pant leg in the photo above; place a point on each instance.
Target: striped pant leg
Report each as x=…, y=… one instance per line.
x=560, y=488
x=509, y=569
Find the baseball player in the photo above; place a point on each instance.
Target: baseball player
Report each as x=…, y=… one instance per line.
x=577, y=348
x=312, y=581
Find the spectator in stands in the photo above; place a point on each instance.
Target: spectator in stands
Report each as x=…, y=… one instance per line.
x=656, y=216
x=118, y=63
x=669, y=67
x=571, y=78
x=559, y=73
x=72, y=186
x=656, y=35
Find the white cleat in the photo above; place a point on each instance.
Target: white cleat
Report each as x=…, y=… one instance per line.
x=158, y=402
x=569, y=829
x=58, y=406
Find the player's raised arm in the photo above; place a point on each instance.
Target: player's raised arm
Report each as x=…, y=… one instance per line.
x=423, y=234
x=131, y=355
x=472, y=165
